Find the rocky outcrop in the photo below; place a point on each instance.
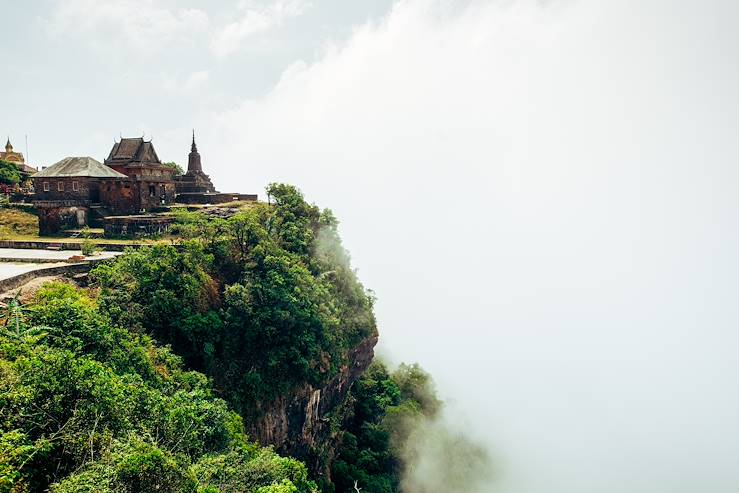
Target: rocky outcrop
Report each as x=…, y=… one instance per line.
x=299, y=424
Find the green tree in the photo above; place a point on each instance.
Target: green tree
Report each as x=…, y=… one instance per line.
x=178, y=171
x=386, y=406
x=262, y=302
x=94, y=407
x=9, y=173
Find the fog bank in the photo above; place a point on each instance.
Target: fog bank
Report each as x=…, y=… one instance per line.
x=543, y=197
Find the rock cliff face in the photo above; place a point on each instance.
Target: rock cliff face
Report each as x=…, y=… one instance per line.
x=298, y=424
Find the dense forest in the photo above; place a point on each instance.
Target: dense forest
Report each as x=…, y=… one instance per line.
x=148, y=378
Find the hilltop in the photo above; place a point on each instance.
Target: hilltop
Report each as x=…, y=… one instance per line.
x=176, y=365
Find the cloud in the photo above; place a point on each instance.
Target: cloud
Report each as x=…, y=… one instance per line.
x=254, y=21
x=191, y=83
x=145, y=26
x=542, y=195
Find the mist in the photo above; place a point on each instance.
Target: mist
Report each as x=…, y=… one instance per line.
x=543, y=197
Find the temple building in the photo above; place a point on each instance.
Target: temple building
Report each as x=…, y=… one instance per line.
x=16, y=158
x=195, y=180
x=67, y=192
x=124, y=195
x=195, y=187
x=150, y=183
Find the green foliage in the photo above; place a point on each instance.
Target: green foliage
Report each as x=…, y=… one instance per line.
x=10, y=174
x=89, y=248
x=178, y=171
x=261, y=302
x=252, y=470
x=385, y=408
x=89, y=406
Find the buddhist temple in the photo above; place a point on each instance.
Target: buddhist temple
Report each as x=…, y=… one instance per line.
x=195, y=180
x=16, y=158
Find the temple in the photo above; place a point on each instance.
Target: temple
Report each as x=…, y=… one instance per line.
x=195, y=180
x=130, y=193
x=16, y=158
x=195, y=187
x=150, y=183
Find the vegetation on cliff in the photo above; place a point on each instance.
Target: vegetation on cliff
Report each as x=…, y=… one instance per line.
x=145, y=380
x=395, y=439
x=261, y=302
x=385, y=407
x=88, y=406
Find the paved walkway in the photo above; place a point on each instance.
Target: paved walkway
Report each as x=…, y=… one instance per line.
x=15, y=261
x=30, y=254
x=8, y=270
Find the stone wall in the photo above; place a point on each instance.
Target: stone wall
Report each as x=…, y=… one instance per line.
x=214, y=198
x=155, y=194
x=120, y=196
x=136, y=226
x=67, y=245
x=53, y=218
x=21, y=279
x=132, y=196
x=86, y=188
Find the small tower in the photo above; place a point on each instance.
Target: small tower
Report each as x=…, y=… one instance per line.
x=14, y=157
x=193, y=160
x=194, y=181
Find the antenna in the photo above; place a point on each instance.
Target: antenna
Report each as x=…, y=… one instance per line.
x=28, y=158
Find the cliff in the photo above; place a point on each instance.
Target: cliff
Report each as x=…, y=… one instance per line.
x=299, y=424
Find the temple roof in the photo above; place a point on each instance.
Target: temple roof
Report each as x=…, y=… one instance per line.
x=79, y=166
x=132, y=151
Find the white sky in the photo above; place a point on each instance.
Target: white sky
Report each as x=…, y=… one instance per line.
x=542, y=194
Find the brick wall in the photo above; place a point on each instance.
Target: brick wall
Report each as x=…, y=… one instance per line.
x=120, y=196
x=133, y=196
x=53, y=219
x=66, y=188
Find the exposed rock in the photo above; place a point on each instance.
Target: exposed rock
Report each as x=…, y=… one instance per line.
x=298, y=424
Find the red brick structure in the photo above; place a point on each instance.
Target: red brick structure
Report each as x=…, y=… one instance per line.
x=80, y=191
x=65, y=192
x=150, y=183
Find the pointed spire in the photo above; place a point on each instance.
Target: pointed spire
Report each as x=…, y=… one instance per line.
x=193, y=160
x=8, y=145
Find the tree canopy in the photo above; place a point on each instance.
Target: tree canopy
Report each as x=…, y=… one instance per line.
x=10, y=174
x=261, y=302
x=178, y=171
x=88, y=406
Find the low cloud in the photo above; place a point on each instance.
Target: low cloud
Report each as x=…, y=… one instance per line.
x=252, y=21
x=188, y=84
x=144, y=26
x=542, y=196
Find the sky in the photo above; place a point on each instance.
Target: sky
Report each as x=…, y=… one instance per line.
x=542, y=194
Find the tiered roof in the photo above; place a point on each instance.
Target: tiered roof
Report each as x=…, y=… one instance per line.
x=132, y=151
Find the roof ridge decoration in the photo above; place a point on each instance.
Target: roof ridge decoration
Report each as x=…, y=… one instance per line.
x=133, y=150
